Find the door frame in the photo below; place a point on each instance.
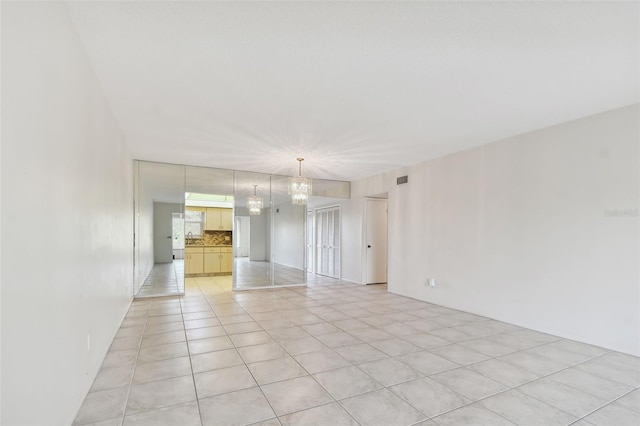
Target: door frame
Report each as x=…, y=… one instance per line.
x=380, y=198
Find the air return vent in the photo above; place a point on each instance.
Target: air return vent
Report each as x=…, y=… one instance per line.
x=402, y=179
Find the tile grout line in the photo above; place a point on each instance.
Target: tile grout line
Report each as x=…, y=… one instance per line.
x=301, y=366
x=309, y=374
x=300, y=305
x=193, y=376
x=135, y=365
x=243, y=362
x=466, y=365
x=138, y=357
x=332, y=349
x=579, y=390
x=448, y=344
x=130, y=380
x=520, y=385
x=604, y=405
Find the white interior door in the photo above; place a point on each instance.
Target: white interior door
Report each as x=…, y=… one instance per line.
x=178, y=235
x=163, y=231
x=376, y=241
x=328, y=242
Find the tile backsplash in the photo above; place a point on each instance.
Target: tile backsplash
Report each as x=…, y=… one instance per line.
x=213, y=238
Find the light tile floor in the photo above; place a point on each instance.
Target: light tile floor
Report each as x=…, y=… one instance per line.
x=335, y=353
x=251, y=274
x=164, y=279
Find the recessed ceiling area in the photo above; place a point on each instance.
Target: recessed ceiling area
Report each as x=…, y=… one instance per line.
x=356, y=88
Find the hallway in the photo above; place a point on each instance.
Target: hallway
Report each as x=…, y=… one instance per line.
x=342, y=354
x=164, y=279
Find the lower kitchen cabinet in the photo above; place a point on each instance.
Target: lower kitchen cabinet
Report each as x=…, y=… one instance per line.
x=211, y=260
x=194, y=260
x=208, y=260
x=226, y=260
x=218, y=260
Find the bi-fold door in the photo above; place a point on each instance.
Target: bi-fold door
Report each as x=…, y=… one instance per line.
x=328, y=242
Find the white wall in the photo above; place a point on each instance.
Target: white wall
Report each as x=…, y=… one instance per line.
x=289, y=235
x=259, y=241
x=517, y=231
x=66, y=218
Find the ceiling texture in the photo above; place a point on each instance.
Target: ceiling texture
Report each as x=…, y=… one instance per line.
x=356, y=88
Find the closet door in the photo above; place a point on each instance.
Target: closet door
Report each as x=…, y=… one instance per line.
x=328, y=242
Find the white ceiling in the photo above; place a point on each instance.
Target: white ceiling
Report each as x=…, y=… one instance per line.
x=356, y=88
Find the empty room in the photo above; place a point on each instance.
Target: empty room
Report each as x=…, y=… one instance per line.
x=320, y=213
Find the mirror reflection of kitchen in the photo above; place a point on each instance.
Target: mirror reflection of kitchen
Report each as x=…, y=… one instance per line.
x=208, y=237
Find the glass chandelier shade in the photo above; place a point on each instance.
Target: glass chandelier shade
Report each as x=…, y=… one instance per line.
x=299, y=187
x=254, y=204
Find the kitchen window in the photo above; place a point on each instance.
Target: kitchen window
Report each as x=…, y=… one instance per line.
x=194, y=223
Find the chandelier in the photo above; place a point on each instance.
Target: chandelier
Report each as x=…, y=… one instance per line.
x=254, y=204
x=299, y=187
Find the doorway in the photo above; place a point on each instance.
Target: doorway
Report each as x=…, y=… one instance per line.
x=178, y=236
x=164, y=215
x=376, y=236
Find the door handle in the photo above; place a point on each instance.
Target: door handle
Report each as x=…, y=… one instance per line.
x=169, y=236
x=369, y=246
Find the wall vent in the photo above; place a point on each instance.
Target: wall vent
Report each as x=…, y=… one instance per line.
x=402, y=179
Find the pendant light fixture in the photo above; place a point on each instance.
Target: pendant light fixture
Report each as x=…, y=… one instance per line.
x=254, y=204
x=299, y=187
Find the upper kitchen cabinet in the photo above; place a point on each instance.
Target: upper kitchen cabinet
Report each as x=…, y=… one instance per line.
x=196, y=209
x=219, y=219
x=226, y=219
